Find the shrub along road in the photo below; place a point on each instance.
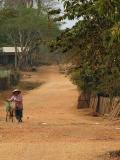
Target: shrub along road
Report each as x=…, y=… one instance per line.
x=53, y=128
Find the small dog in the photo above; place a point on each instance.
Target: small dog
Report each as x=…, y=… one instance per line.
x=9, y=111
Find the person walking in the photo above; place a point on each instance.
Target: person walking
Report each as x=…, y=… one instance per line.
x=18, y=104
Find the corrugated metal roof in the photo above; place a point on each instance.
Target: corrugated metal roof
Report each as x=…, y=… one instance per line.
x=10, y=49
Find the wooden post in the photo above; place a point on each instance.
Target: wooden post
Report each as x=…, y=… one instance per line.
x=98, y=104
x=83, y=100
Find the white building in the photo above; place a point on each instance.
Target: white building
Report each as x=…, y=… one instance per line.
x=7, y=55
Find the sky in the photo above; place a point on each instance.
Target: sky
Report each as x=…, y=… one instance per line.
x=55, y=4
x=66, y=23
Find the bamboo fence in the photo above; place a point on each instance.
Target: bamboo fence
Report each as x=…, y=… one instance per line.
x=106, y=106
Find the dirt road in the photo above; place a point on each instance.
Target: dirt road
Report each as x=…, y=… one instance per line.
x=53, y=128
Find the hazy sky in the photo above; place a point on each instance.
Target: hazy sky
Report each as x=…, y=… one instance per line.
x=67, y=23
x=59, y=4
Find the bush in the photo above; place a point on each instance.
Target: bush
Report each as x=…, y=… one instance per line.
x=4, y=83
x=25, y=85
x=14, y=78
x=4, y=79
x=8, y=79
x=98, y=80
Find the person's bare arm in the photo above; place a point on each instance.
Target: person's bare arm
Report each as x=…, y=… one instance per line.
x=11, y=99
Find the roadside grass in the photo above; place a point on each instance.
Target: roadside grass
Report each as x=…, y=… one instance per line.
x=26, y=85
x=4, y=73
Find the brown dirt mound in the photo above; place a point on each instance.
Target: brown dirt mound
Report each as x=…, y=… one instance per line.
x=112, y=155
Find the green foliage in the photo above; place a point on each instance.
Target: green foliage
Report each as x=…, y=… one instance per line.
x=26, y=28
x=28, y=23
x=4, y=73
x=9, y=78
x=14, y=77
x=93, y=44
x=25, y=85
x=55, y=11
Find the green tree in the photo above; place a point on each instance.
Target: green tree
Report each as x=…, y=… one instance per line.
x=25, y=28
x=93, y=44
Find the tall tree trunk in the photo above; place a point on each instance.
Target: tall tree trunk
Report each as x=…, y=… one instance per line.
x=16, y=57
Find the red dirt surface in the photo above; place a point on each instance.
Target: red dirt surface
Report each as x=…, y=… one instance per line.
x=53, y=129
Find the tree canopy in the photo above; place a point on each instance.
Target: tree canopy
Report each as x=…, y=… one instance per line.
x=93, y=44
x=25, y=27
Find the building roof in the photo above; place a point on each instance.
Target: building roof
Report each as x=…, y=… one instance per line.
x=10, y=49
